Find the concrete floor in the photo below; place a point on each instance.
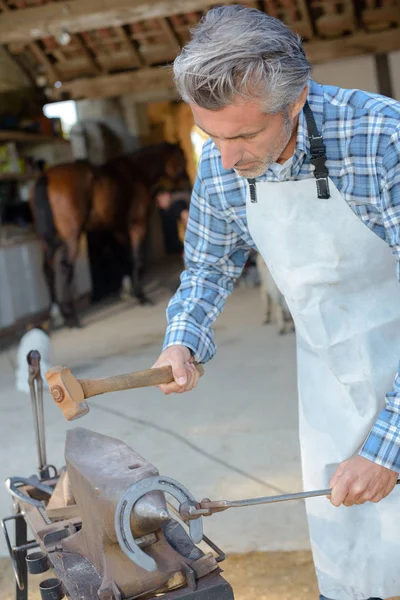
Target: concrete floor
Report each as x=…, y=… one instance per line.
x=235, y=436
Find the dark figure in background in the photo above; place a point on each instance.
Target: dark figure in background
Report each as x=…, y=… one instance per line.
x=173, y=199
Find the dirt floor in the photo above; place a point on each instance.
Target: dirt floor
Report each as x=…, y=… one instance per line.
x=256, y=576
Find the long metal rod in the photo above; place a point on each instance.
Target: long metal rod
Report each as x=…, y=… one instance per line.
x=36, y=389
x=209, y=507
x=36, y=422
x=272, y=499
x=42, y=435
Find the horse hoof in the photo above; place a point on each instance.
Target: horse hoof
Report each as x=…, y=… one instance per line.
x=144, y=301
x=73, y=323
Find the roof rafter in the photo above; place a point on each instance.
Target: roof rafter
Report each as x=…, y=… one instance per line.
x=84, y=15
x=143, y=83
x=155, y=80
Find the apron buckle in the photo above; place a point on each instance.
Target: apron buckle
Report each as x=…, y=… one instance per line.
x=253, y=190
x=321, y=174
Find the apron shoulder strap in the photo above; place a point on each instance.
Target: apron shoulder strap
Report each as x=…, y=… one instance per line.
x=318, y=154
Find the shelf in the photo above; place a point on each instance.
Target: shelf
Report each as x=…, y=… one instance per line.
x=29, y=138
x=18, y=176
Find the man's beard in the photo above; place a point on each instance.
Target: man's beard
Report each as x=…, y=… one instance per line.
x=259, y=166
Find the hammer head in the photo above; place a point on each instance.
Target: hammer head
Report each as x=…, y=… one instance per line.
x=67, y=393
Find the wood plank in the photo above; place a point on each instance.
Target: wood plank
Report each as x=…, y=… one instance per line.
x=353, y=45
x=131, y=47
x=149, y=82
x=170, y=35
x=384, y=75
x=37, y=52
x=62, y=503
x=28, y=138
x=38, y=22
x=42, y=58
x=142, y=83
x=18, y=176
x=90, y=55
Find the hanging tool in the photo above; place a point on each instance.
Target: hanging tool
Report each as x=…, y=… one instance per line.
x=35, y=382
x=71, y=394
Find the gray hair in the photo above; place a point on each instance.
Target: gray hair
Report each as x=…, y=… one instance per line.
x=238, y=51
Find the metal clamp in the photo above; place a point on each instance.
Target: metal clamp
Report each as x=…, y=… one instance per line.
x=12, y=484
x=124, y=508
x=14, y=551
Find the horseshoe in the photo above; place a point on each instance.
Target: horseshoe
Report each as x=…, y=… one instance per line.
x=123, y=514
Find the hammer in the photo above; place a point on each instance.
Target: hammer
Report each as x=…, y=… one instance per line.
x=71, y=394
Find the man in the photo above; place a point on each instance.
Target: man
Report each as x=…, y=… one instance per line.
x=173, y=204
x=310, y=175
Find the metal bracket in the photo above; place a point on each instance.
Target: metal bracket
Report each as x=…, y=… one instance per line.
x=124, y=508
x=13, y=551
x=12, y=484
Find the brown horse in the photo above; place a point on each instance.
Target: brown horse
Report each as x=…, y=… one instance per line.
x=74, y=198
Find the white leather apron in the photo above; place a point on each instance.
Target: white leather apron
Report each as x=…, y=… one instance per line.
x=339, y=280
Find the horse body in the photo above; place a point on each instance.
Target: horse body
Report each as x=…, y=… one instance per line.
x=78, y=197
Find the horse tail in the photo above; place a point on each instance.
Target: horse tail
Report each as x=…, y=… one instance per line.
x=43, y=214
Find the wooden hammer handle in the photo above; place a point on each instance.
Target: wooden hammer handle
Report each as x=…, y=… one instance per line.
x=95, y=387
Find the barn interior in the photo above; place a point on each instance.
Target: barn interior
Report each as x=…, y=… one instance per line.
x=112, y=66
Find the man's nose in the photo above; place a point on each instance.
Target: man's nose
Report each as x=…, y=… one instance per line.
x=230, y=154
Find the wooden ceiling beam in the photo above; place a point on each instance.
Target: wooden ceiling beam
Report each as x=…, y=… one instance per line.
x=131, y=47
x=170, y=35
x=353, y=45
x=41, y=57
x=141, y=84
x=84, y=15
x=37, y=51
x=155, y=80
x=90, y=56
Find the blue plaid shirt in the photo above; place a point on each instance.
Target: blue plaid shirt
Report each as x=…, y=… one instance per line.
x=361, y=132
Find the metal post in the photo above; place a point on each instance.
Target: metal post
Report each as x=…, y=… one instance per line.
x=21, y=540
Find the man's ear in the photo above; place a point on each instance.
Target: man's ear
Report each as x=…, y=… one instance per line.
x=297, y=106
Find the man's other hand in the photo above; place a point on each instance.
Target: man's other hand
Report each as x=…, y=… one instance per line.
x=360, y=480
x=185, y=373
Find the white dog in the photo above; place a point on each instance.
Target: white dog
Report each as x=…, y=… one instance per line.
x=274, y=304
x=35, y=339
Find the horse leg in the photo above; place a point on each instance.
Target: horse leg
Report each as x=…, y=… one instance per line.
x=137, y=234
x=49, y=275
x=68, y=258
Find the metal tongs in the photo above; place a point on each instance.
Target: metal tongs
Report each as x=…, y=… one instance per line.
x=207, y=507
x=36, y=392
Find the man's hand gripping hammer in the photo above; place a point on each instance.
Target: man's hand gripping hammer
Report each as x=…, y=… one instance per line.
x=71, y=394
